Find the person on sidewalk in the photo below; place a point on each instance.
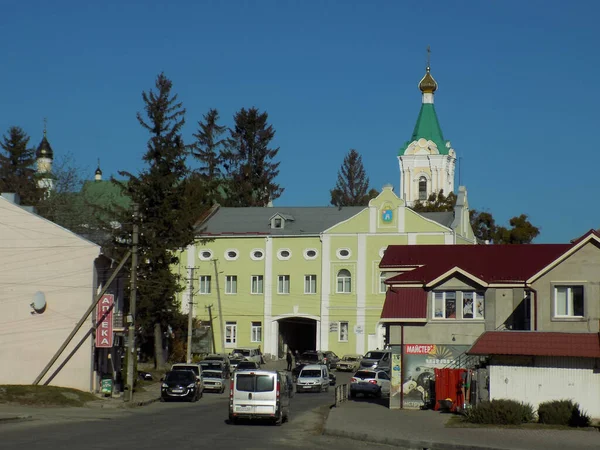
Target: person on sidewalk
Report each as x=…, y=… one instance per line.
x=288, y=358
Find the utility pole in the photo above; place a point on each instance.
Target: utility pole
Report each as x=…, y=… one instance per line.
x=212, y=328
x=132, y=300
x=190, y=316
x=219, y=305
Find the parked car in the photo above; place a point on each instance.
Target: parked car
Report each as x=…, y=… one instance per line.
x=214, y=365
x=331, y=359
x=247, y=365
x=251, y=354
x=313, y=378
x=370, y=382
x=377, y=359
x=194, y=368
x=349, y=363
x=234, y=361
x=260, y=394
x=221, y=358
x=312, y=357
x=214, y=380
x=180, y=385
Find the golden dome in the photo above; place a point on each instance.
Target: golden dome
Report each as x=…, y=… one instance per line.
x=428, y=85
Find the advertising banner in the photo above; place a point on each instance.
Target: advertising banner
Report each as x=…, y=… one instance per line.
x=104, y=330
x=396, y=376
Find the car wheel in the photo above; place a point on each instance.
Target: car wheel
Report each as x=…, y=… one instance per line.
x=352, y=394
x=378, y=393
x=222, y=390
x=279, y=419
x=200, y=394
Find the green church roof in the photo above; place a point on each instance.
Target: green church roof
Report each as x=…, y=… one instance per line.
x=428, y=127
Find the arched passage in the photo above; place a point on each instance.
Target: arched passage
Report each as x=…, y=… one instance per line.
x=297, y=333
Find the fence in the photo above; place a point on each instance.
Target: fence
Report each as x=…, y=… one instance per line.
x=341, y=393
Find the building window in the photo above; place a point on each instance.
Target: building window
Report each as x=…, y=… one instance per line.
x=343, y=332
x=568, y=301
x=257, y=254
x=231, y=284
x=310, y=284
x=310, y=253
x=277, y=222
x=205, y=255
x=204, y=284
x=472, y=305
x=231, y=254
x=256, y=284
x=284, y=254
x=444, y=305
x=382, y=286
x=422, y=189
x=344, y=282
x=283, y=284
x=230, y=333
x=343, y=253
x=256, y=332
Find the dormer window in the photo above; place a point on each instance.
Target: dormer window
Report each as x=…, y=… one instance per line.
x=279, y=220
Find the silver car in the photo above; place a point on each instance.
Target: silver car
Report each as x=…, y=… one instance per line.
x=214, y=380
x=377, y=360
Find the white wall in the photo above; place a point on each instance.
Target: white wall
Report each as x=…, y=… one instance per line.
x=37, y=255
x=551, y=379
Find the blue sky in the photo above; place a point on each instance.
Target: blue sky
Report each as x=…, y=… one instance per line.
x=517, y=91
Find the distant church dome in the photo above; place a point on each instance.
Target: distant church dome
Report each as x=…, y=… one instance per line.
x=44, y=150
x=428, y=85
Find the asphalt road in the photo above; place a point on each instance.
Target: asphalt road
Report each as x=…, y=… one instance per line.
x=178, y=426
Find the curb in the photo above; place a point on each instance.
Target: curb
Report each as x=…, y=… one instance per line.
x=15, y=419
x=405, y=444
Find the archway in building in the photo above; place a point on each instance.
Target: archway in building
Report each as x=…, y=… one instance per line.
x=298, y=333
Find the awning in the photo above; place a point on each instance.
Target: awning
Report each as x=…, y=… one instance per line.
x=409, y=304
x=537, y=343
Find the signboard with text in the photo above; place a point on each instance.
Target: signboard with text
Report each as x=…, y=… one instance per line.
x=104, y=330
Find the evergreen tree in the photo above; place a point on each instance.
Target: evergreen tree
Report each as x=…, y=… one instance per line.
x=352, y=187
x=17, y=167
x=248, y=161
x=166, y=214
x=207, y=149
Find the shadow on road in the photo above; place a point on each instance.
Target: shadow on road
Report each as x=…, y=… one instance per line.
x=382, y=401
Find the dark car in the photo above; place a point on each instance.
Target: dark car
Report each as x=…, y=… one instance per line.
x=331, y=359
x=247, y=365
x=180, y=385
x=312, y=357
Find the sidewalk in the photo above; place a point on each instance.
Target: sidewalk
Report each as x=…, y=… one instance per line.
x=99, y=409
x=413, y=429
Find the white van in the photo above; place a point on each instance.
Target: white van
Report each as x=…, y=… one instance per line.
x=259, y=394
x=313, y=377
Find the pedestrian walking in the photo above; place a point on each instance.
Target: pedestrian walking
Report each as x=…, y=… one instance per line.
x=297, y=357
x=288, y=358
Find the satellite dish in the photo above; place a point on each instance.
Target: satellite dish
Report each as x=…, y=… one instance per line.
x=39, y=302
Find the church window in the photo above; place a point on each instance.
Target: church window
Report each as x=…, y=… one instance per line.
x=422, y=188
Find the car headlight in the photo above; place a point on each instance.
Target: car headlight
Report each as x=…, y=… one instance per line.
x=165, y=385
x=191, y=385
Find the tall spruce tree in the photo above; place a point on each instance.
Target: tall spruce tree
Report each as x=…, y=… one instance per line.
x=352, y=187
x=207, y=149
x=166, y=214
x=248, y=161
x=17, y=167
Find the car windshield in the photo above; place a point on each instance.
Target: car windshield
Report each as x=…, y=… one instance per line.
x=349, y=358
x=374, y=355
x=254, y=383
x=180, y=376
x=246, y=365
x=310, y=356
x=212, y=374
x=364, y=374
x=310, y=373
x=210, y=366
x=235, y=360
x=241, y=351
x=194, y=369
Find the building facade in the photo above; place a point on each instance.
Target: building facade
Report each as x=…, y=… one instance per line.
x=307, y=277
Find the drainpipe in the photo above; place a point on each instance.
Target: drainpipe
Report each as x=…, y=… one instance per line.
x=535, y=306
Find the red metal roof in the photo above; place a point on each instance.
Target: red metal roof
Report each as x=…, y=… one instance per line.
x=490, y=263
x=407, y=303
x=535, y=343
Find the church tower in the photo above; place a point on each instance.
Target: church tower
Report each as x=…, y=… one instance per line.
x=44, y=157
x=427, y=161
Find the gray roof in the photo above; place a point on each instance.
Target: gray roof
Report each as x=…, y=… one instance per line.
x=306, y=220
x=257, y=220
x=444, y=218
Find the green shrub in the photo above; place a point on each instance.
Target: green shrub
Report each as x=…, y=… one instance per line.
x=501, y=412
x=562, y=412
